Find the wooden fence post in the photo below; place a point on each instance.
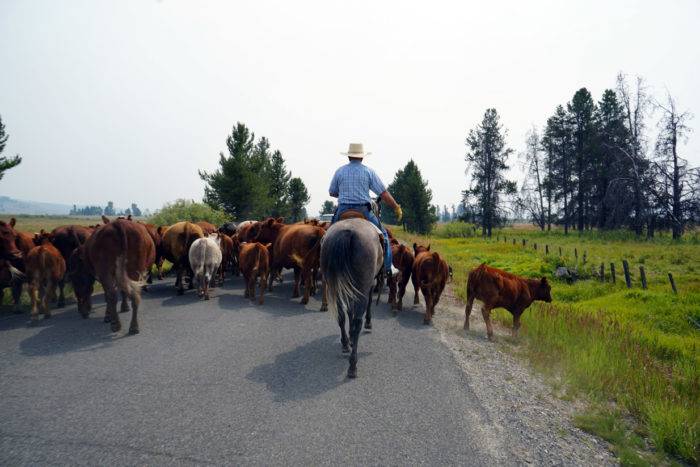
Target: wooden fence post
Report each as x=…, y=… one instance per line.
x=585, y=255
x=535, y=245
x=626, y=268
x=576, y=254
x=523, y=242
x=643, y=277
x=546, y=249
x=513, y=241
x=602, y=272
x=612, y=272
x=673, y=283
x=559, y=251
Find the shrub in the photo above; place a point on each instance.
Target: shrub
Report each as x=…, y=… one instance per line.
x=187, y=210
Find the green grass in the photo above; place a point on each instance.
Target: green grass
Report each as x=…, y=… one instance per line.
x=634, y=352
x=32, y=224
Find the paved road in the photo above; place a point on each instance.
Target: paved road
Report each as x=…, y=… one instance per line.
x=226, y=382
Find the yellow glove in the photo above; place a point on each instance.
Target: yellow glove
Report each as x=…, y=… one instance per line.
x=399, y=213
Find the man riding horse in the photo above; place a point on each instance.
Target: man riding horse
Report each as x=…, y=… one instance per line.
x=352, y=183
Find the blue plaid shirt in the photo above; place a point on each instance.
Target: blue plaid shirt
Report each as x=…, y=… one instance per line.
x=352, y=183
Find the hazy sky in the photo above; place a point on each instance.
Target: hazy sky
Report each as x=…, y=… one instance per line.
x=126, y=100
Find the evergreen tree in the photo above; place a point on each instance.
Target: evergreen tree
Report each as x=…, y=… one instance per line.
x=135, y=210
x=582, y=111
x=412, y=193
x=109, y=209
x=298, y=198
x=5, y=163
x=559, y=140
x=328, y=207
x=487, y=158
x=279, y=186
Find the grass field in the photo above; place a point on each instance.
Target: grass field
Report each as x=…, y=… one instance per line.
x=36, y=223
x=634, y=354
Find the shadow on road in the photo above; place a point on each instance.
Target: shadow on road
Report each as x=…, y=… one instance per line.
x=69, y=332
x=305, y=372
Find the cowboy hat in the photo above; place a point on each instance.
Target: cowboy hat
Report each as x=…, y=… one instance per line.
x=355, y=150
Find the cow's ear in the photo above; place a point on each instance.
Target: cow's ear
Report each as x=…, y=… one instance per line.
x=270, y=221
x=128, y=217
x=543, y=281
x=428, y=247
x=13, y=221
x=268, y=245
x=105, y=220
x=415, y=245
x=280, y=220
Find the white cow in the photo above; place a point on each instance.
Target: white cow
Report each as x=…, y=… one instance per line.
x=205, y=259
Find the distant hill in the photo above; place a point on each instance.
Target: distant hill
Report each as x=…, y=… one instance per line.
x=17, y=206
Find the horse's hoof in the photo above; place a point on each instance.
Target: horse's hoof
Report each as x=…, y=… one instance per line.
x=304, y=302
x=346, y=349
x=206, y=297
x=124, y=310
x=352, y=373
x=323, y=308
x=133, y=331
x=107, y=319
x=115, y=326
x=426, y=322
x=368, y=325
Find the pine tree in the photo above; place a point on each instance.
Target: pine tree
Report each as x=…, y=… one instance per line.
x=582, y=111
x=328, y=207
x=279, y=186
x=298, y=198
x=5, y=163
x=412, y=193
x=109, y=209
x=558, y=135
x=487, y=158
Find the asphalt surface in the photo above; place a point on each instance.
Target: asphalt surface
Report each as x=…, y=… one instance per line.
x=229, y=382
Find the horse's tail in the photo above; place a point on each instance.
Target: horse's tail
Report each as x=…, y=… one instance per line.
x=337, y=272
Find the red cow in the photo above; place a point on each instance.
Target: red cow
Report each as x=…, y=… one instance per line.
x=118, y=254
x=45, y=268
x=226, y=244
x=295, y=246
x=66, y=239
x=492, y=288
x=254, y=260
x=207, y=227
x=430, y=273
x=14, y=247
x=402, y=259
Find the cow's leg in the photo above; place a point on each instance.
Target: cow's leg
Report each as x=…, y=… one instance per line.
x=61, y=295
x=392, y=291
x=414, y=281
x=49, y=293
x=125, y=303
x=344, y=341
x=246, y=281
x=159, y=263
x=468, y=312
x=17, y=296
x=428, y=296
x=297, y=278
x=263, y=281
x=178, y=281
x=486, y=313
x=112, y=297
x=516, y=322
x=402, y=289
x=34, y=295
x=149, y=278
x=190, y=276
x=307, y=277
x=135, y=302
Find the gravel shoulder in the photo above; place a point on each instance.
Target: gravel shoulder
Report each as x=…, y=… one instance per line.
x=532, y=423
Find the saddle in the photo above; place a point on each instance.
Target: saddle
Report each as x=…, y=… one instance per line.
x=352, y=214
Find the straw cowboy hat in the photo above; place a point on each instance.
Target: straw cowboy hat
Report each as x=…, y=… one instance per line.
x=356, y=150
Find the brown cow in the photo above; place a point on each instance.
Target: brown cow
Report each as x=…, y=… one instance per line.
x=254, y=260
x=226, y=244
x=295, y=246
x=118, y=254
x=177, y=241
x=430, y=273
x=207, y=228
x=45, y=268
x=402, y=259
x=235, y=250
x=66, y=239
x=492, y=288
x=14, y=247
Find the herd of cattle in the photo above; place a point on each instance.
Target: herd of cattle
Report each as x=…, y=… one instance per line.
x=121, y=254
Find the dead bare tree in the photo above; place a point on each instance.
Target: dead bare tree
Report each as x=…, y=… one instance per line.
x=533, y=190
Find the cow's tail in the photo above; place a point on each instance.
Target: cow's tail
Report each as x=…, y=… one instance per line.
x=337, y=272
x=256, y=260
x=124, y=282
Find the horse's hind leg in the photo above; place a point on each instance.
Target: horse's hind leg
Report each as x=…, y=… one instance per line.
x=368, y=315
x=125, y=303
x=344, y=341
x=355, y=327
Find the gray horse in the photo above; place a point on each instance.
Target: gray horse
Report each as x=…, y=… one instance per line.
x=351, y=258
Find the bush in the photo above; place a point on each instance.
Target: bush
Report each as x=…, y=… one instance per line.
x=187, y=210
x=457, y=230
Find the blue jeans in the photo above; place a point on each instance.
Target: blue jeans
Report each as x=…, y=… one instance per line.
x=373, y=219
